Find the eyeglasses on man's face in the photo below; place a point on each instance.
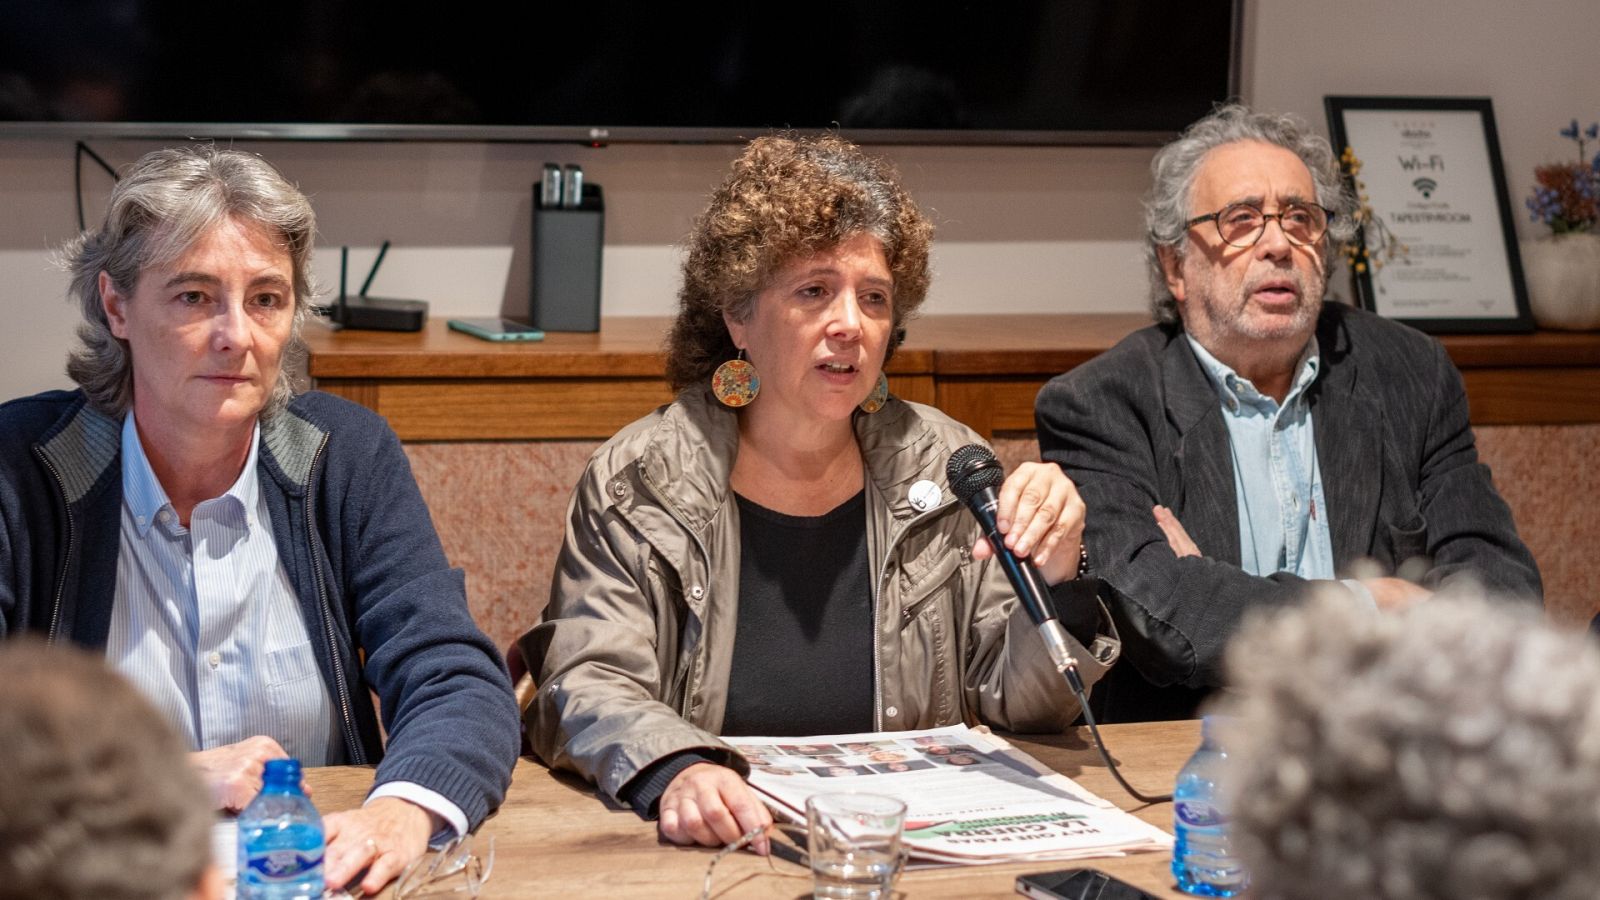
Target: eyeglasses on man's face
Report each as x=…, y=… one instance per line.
x=1242, y=224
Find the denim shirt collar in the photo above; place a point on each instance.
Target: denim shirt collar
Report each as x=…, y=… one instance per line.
x=1236, y=391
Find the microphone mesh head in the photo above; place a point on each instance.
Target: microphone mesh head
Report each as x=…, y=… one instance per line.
x=971, y=469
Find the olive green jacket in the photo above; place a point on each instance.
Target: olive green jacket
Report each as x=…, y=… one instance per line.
x=633, y=653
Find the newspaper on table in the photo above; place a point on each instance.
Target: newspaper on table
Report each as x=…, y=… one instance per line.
x=970, y=796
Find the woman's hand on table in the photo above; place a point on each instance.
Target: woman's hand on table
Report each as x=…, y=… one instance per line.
x=383, y=837
x=711, y=805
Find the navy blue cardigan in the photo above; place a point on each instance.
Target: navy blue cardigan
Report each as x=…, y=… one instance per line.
x=382, y=606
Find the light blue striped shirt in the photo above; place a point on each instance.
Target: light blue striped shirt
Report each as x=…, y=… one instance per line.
x=1283, y=521
x=205, y=622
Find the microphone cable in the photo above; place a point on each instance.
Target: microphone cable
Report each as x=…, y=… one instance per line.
x=1076, y=684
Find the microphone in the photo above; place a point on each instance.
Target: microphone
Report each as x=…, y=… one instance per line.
x=975, y=476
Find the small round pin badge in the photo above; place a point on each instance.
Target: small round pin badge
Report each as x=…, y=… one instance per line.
x=925, y=495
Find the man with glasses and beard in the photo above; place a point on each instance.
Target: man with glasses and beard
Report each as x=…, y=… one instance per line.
x=1256, y=441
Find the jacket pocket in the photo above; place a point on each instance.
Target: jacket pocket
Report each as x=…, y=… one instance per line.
x=920, y=594
x=1409, y=539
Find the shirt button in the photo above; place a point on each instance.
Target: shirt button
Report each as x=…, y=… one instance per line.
x=697, y=592
x=215, y=659
x=891, y=712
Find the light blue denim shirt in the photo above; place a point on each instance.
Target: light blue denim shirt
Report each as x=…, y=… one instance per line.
x=205, y=622
x=1283, y=522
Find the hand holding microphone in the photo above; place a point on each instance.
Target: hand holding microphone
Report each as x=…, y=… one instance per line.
x=1045, y=517
x=1038, y=512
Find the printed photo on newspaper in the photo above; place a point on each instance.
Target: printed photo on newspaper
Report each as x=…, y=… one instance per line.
x=970, y=796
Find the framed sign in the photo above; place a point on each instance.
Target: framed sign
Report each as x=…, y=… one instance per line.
x=1436, y=248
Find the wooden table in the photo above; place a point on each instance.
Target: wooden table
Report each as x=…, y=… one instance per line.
x=555, y=838
x=439, y=385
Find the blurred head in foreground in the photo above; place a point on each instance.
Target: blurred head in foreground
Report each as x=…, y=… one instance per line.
x=1449, y=751
x=97, y=800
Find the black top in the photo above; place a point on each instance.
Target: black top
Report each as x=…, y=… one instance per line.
x=802, y=655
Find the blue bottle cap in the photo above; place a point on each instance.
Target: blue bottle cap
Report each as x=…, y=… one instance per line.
x=282, y=772
x=1213, y=729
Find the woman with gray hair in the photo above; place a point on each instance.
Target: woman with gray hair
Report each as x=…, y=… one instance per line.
x=256, y=563
x=776, y=552
x=1447, y=752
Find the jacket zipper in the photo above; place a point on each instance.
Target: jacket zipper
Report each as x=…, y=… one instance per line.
x=358, y=754
x=66, y=558
x=685, y=678
x=877, y=594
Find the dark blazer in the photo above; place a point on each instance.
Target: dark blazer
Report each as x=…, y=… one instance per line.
x=1141, y=425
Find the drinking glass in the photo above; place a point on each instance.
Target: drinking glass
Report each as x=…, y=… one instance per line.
x=854, y=844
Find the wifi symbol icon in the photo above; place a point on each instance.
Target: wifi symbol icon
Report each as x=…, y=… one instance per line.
x=1425, y=186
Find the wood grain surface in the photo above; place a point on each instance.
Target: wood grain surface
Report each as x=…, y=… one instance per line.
x=555, y=838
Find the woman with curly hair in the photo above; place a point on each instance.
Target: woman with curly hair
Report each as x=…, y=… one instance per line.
x=776, y=552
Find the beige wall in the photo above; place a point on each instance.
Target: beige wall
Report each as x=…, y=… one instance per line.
x=1021, y=229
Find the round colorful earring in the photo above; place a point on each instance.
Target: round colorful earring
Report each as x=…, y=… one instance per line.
x=736, y=382
x=878, y=397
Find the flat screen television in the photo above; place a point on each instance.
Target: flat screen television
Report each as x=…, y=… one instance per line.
x=879, y=71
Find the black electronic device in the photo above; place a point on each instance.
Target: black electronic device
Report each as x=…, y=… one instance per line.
x=375, y=313
x=900, y=71
x=1078, y=884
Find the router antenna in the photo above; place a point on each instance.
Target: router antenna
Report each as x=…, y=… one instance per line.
x=344, y=264
x=375, y=264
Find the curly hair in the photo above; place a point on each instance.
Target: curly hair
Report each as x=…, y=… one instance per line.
x=97, y=800
x=788, y=197
x=163, y=204
x=1450, y=751
x=1166, y=207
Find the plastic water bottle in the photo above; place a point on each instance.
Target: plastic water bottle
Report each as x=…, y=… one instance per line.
x=280, y=840
x=1203, y=860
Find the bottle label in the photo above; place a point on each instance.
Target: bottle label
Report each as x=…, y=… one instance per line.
x=282, y=865
x=1199, y=814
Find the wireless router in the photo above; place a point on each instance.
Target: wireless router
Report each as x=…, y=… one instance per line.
x=375, y=313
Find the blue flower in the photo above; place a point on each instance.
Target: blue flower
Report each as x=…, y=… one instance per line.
x=1593, y=131
x=1544, y=206
x=1571, y=131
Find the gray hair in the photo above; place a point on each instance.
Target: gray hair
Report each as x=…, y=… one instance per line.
x=1449, y=751
x=1167, y=207
x=97, y=799
x=163, y=204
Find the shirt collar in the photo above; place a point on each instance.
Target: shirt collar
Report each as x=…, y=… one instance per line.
x=1234, y=389
x=145, y=496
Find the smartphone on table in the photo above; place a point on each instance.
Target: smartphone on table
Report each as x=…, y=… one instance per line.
x=497, y=329
x=1078, y=884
